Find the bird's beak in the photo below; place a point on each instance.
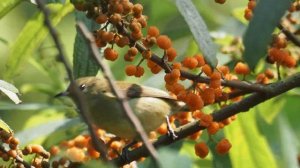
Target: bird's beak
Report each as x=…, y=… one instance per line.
x=66, y=93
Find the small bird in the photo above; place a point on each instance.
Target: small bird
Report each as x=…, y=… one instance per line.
x=150, y=105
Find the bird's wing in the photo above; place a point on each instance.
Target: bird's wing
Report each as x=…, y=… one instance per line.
x=132, y=90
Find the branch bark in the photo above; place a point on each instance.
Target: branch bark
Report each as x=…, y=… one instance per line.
x=228, y=111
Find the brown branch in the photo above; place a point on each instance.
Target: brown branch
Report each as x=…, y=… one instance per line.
x=120, y=97
x=289, y=35
x=228, y=111
x=79, y=100
x=241, y=85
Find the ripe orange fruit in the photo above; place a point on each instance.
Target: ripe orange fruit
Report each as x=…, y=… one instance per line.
x=223, y=146
x=241, y=68
x=163, y=42
x=201, y=149
x=130, y=70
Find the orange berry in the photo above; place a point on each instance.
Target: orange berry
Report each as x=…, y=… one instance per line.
x=269, y=73
x=107, y=37
x=75, y=154
x=142, y=21
x=153, y=31
x=169, y=80
x=208, y=96
x=80, y=141
x=163, y=42
x=195, y=135
x=36, y=148
x=197, y=114
x=156, y=69
x=213, y=128
x=290, y=62
x=201, y=149
x=177, y=88
x=110, y=54
x=175, y=73
x=93, y=153
x=136, y=35
x=215, y=75
x=115, y=18
x=194, y=101
x=224, y=69
x=190, y=62
x=147, y=54
x=171, y=54
x=139, y=71
x=128, y=57
x=215, y=84
x=135, y=26
x=130, y=70
x=206, y=120
x=133, y=51
x=251, y=4
x=162, y=129
x=127, y=7
x=12, y=153
x=137, y=10
x=54, y=150
x=248, y=14
x=176, y=65
x=122, y=41
x=101, y=18
x=223, y=146
x=200, y=60
x=241, y=68
x=116, y=145
x=207, y=69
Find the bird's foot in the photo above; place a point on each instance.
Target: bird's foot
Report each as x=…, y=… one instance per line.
x=171, y=132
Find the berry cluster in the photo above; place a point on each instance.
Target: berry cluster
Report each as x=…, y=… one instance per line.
x=123, y=27
x=10, y=151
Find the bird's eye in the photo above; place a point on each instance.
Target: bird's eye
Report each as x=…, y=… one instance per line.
x=82, y=87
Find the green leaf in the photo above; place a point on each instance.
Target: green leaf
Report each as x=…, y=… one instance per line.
x=10, y=90
x=32, y=35
x=199, y=30
x=238, y=13
x=5, y=127
x=84, y=64
x=7, y=5
x=270, y=109
x=267, y=15
x=249, y=146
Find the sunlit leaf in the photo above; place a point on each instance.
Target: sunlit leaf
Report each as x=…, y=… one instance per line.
x=267, y=15
x=249, y=146
x=10, y=91
x=32, y=35
x=199, y=30
x=268, y=110
x=7, y=5
x=5, y=127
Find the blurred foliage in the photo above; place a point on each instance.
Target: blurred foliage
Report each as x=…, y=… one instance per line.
x=266, y=136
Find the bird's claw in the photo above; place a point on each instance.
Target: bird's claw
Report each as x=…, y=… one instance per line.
x=171, y=132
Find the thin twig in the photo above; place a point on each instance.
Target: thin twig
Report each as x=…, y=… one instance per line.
x=120, y=97
x=79, y=100
x=289, y=35
x=228, y=111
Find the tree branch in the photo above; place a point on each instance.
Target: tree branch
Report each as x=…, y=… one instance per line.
x=79, y=100
x=289, y=35
x=120, y=97
x=228, y=111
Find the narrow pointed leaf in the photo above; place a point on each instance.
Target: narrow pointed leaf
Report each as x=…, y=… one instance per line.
x=267, y=15
x=199, y=30
x=7, y=5
x=10, y=90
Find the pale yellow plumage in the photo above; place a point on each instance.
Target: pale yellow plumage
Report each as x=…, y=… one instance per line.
x=150, y=105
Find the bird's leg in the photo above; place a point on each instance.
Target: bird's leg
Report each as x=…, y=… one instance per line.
x=125, y=151
x=171, y=132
